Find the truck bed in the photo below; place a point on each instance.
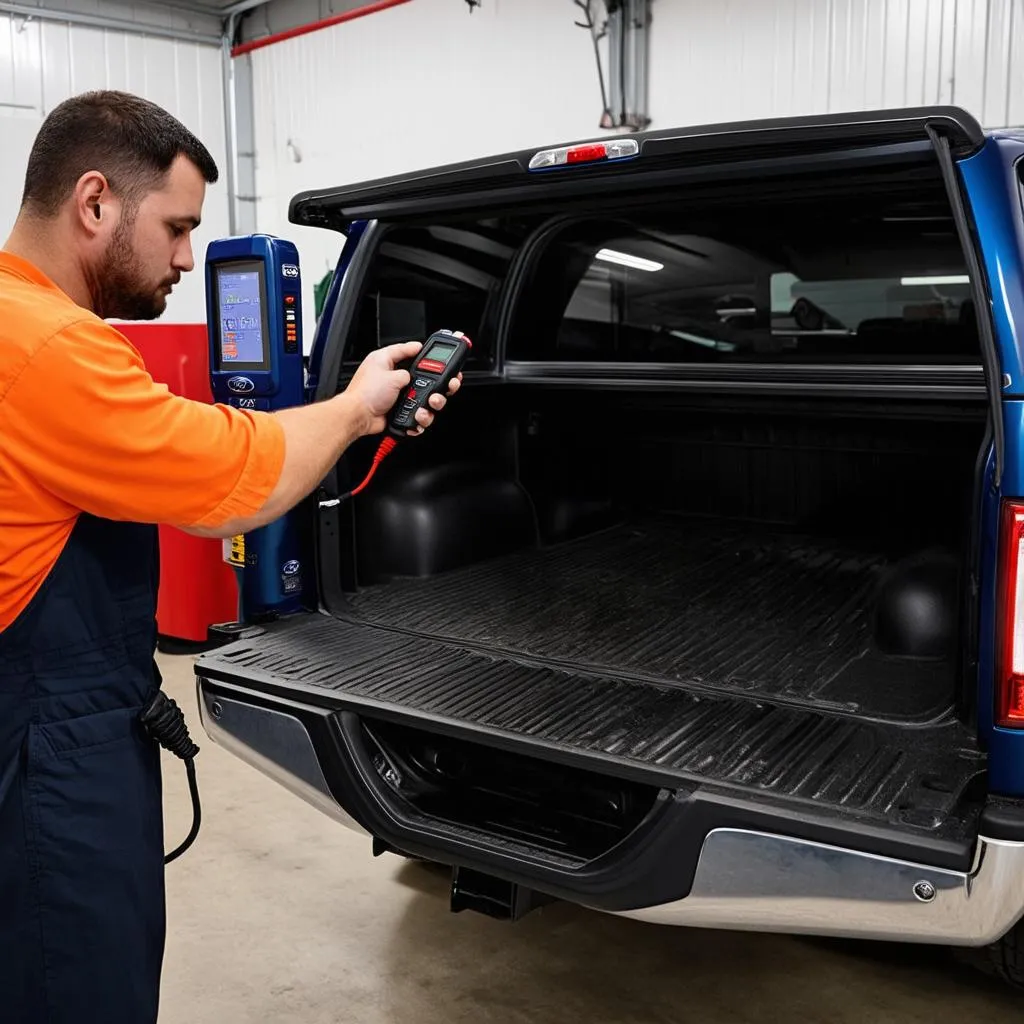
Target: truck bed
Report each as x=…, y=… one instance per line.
x=683, y=602
x=635, y=654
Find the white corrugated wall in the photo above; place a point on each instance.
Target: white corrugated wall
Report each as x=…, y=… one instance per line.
x=427, y=83
x=42, y=63
x=743, y=58
x=418, y=85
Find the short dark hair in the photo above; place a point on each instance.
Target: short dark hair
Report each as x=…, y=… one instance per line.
x=128, y=139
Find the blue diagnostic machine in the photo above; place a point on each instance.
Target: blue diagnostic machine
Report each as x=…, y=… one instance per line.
x=254, y=323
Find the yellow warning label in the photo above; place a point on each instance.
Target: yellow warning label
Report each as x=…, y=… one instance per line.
x=235, y=553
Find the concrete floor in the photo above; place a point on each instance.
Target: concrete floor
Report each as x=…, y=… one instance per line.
x=279, y=914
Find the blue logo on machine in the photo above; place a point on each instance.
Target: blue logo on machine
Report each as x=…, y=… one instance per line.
x=290, y=568
x=240, y=385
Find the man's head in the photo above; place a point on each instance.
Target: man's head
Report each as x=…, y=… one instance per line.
x=122, y=182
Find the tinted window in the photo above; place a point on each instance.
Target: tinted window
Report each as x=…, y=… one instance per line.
x=851, y=279
x=426, y=278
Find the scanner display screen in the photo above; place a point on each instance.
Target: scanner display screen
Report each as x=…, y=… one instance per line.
x=242, y=320
x=441, y=352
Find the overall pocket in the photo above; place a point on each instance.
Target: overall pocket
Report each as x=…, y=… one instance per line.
x=96, y=828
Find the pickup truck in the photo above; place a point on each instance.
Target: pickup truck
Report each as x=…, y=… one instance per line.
x=703, y=602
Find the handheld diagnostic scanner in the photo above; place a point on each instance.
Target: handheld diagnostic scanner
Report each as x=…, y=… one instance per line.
x=432, y=371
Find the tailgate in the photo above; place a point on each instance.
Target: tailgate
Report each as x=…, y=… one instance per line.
x=584, y=786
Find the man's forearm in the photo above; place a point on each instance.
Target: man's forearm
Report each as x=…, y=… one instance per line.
x=315, y=437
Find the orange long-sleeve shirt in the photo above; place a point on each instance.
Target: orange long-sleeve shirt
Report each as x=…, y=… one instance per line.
x=84, y=428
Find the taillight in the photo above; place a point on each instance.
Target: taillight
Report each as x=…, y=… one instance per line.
x=585, y=153
x=1010, y=681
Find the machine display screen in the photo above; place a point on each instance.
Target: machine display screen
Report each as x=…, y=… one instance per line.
x=242, y=319
x=441, y=351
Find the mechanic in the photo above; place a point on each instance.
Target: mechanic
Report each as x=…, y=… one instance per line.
x=94, y=454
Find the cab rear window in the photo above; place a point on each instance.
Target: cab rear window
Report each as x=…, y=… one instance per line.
x=426, y=278
x=872, y=275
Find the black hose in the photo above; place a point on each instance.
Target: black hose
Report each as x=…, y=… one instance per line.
x=197, y=812
x=164, y=721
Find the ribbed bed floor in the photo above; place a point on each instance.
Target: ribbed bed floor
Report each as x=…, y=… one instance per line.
x=700, y=605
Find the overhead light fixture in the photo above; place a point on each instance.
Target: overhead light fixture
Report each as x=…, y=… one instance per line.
x=937, y=279
x=624, y=259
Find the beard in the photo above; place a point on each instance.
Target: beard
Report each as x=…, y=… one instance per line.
x=117, y=286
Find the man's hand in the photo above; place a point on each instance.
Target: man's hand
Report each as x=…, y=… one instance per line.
x=375, y=387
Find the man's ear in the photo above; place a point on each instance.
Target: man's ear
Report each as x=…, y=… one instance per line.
x=93, y=201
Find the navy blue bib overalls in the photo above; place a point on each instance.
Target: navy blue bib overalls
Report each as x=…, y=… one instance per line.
x=81, y=830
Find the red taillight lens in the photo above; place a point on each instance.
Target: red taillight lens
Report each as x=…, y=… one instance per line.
x=584, y=154
x=1010, y=680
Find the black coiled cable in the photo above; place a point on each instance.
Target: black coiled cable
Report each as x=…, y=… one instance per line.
x=164, y=721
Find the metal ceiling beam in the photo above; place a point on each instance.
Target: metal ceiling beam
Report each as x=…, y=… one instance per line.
x=115, y=24
x=187, y=6
x=244, y=5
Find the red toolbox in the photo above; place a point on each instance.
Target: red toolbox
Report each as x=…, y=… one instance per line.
x=197, y=587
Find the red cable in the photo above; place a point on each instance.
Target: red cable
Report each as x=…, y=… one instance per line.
x=384, y=449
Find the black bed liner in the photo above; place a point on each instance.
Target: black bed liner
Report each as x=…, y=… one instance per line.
x=871, y=774
x=715, y=608
x=693, y=658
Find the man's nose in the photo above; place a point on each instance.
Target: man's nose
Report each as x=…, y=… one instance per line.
x=183, y=258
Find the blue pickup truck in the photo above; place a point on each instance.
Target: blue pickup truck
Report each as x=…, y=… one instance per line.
x=703, y=604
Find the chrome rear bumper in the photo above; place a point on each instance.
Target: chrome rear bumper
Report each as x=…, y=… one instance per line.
x=277, y=744
x=757, y=882
x=744, y=880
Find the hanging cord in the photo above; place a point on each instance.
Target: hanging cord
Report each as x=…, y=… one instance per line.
x=596, y=37
x=164, y=721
